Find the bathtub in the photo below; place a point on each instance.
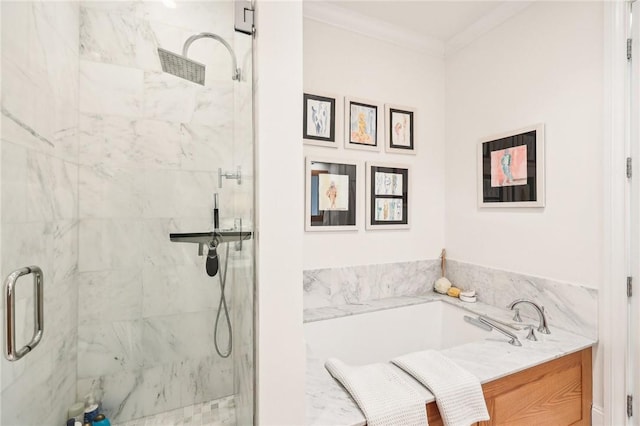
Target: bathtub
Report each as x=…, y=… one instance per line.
x=382, y=335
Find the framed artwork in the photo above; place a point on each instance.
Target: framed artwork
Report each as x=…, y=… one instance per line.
x=511, y=169
x=331, y=199
x=321, y=119
x=387, y=196
x=400, y=133
x=363, y=124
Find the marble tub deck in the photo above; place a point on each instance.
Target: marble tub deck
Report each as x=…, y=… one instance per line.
x=327, y=403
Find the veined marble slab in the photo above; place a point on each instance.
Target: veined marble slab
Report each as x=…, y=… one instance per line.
x=328, y=403
x=573, y=307
x=334, y=292
x=359, y=284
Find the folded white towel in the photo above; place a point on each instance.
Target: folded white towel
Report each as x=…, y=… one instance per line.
x=458, y=393
x=384, y=393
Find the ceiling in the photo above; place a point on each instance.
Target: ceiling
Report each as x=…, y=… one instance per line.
x=441, y=20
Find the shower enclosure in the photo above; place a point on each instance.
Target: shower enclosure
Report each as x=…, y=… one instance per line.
x=104, y=156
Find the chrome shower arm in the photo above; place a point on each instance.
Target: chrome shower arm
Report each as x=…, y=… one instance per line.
x=235, y=71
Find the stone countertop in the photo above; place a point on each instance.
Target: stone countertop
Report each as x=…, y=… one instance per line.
x=327, y=403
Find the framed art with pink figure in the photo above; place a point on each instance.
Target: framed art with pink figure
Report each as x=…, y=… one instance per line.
x=363, y=124
x=331, y=199
x=400, y=129
x=511, y=169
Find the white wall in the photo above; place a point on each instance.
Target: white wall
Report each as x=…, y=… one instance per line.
x=349, y=64
x=543, y=65
x=281, y=356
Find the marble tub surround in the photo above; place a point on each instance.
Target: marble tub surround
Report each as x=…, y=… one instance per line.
x=568, y=306
x=490, y=359
x=331, y=287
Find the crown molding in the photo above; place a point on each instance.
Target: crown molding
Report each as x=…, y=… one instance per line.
x=485, y=24
x=340, y=17
x=349, y=20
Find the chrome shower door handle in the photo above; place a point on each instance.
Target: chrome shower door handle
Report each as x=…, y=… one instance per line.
x=10, y=312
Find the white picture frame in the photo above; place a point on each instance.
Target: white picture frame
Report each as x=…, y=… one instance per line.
x=322, y=119
x=517, y=181
x=400, y=129
x=363, y=124
x=388, y=195
x=343, y=209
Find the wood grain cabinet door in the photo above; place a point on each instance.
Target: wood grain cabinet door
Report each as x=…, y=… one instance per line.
x=555, y=393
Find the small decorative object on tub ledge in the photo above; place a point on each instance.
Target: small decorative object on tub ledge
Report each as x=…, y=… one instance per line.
x=468, y=296
x=442, y=284
x=453, y=292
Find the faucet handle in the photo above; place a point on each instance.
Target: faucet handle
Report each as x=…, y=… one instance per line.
x=516, y=317
x=532, y=334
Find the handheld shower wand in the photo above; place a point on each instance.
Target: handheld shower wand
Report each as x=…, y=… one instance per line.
x=212, y=266
x=216, y=214
x=212, y=255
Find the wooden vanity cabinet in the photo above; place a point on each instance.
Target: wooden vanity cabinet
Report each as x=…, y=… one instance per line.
x=555, y=393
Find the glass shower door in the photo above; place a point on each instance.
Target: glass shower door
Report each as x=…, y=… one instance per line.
x=104, y=155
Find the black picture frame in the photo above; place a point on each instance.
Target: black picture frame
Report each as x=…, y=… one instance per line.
x=400, y=132
x=339, y=218
x=319, y=115
x=511, y=169
x=388, y=202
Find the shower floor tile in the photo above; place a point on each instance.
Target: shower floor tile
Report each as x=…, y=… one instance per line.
x=220, y=412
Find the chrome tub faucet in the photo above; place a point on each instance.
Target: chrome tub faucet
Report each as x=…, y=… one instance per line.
x=542, y=327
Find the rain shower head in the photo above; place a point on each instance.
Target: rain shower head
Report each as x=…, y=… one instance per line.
x=183, y=67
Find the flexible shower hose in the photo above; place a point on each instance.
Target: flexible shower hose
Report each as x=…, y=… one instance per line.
x=223, y=306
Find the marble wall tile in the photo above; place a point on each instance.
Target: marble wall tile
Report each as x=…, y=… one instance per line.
x=106, y=244
x=14, y=182
x=40, y=59
x=207, y=378
x=194, y=16
x=109, y=35
x=214, y=104
x=108, y=347
x=110, y=192
x=36, y=383
x=179, y=194
x=162, y=387
x=111, y=89
x=158, y=144
x=568, y=306
x=168, y=97
x=177, y=289
x=202, y=148
x=51, y=188
x=122, y=394
x=110, y=295
x=106, y=140
x=171, y=338
x=357, y=284
x=65, y=250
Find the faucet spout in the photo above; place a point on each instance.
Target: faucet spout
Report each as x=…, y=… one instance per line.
x=542, y=327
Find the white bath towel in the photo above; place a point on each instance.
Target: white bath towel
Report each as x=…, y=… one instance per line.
x=458, y=393
x=384, y=393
